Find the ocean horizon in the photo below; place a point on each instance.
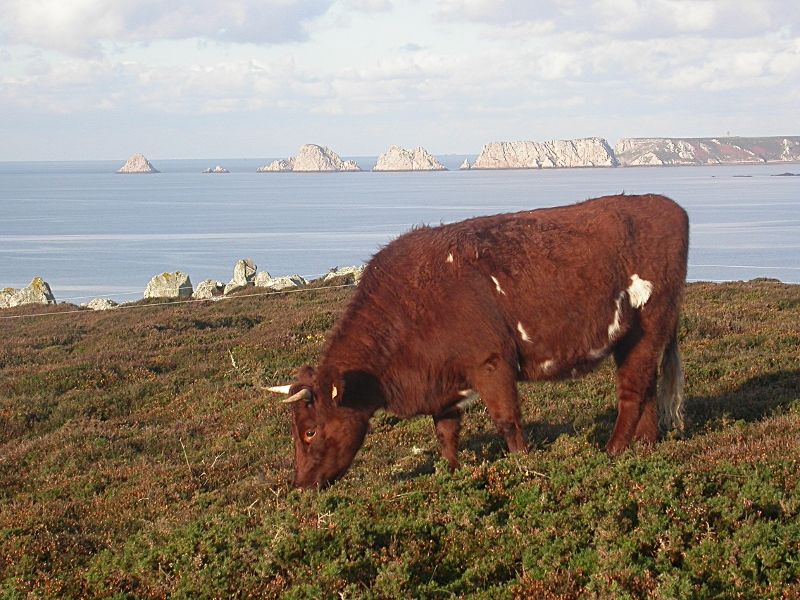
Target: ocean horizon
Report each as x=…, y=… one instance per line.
x=90, y=232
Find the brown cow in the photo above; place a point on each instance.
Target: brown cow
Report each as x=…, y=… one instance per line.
x=481, y=304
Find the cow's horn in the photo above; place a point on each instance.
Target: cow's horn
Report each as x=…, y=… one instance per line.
x=304, y=394
x=280, y=389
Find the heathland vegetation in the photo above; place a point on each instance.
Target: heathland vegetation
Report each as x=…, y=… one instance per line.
x=141, y=457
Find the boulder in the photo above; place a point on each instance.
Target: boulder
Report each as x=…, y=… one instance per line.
x=100, y=304
x=217, y=169
x=169, y=285
x=585, y=152
x=208, y=288
x=344, y=275
x=244, y=274
x=277, y=284
x=400, y=159
x=37, y=292
x=137, y=164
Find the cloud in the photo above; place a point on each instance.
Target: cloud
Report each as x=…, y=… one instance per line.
x=82, y=27
x=633, y=18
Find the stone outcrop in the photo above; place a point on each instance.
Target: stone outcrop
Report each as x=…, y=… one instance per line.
x=465, y=165
x=400, y=159
x=344, y=275
x=37, y=292
x=277, y=166
x=100, y=304
x=585, y=152
x=217, y=169
x=207, y=289
x=137, y=164
x=263, y=279
x=244, y=274
x=169, y=285
x=706, y=151
x=311, y=158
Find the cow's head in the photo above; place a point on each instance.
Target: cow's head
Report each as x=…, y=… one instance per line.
x=330, y=416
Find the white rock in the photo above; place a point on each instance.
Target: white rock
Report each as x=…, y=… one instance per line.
x=100, y=304
x=277, y=166
x=400, y=159
x=348, y=273
x=585, y=152
x=37, y=292
x=137, y=164
x=217, y=169
x=706, y=151
x=312, y=158
x=208, y=288
x=286, y=282
x=465, y=165
x=169, y=285
x=244, y=274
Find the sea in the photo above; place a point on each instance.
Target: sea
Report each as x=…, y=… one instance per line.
x=90, y=232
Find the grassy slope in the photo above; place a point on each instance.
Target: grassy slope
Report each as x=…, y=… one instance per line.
x=140, y=457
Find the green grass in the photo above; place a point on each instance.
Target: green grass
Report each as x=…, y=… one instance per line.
x=141, y=457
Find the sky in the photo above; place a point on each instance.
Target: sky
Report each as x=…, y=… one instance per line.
x=94, y=79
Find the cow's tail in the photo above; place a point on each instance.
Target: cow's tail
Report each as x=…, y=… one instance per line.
x=670, y=387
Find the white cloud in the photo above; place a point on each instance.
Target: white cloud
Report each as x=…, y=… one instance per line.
x=82, y=27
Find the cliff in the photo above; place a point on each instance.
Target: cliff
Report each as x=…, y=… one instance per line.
x=400, y=159
x=311, y=158
x=137, y=164
x=706, y=151
x=585, y=152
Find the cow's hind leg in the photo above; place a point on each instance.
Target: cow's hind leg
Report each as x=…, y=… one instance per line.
x=496, y=382
x=448, y=426
x=637, y=360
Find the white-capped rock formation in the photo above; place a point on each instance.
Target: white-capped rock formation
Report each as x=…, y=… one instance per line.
x=263, y=279
x=706, y=151
x=584, y=152
x=217, y=169
x=208, y=288
x=277, y=166
x=465, y=165
x=311, y=158
x=400, y=159
x=244, y=274
x=100, y=304
x=137, y=164
x=37, y=292
x=169, y=285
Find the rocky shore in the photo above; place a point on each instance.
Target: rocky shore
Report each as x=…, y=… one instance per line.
x=178, y=286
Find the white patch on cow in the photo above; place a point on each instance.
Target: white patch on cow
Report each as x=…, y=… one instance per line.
x=523, y=334
x=449, y=257
x=597, y=353
x=497, y=286
x=547, y=365
x=468, y=401
x=615, y=326
x=334, y=392
x=639, y=291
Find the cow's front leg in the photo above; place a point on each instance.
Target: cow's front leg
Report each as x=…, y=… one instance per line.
x=448, y=426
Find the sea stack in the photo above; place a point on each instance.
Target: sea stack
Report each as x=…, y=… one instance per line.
x=585, y=152
x=400, y=159
x=311, y=158
x=137, y=164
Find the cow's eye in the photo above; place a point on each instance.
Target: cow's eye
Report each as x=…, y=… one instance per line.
x=309, y=434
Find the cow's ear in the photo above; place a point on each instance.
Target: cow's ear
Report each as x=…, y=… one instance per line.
x=360, y=389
